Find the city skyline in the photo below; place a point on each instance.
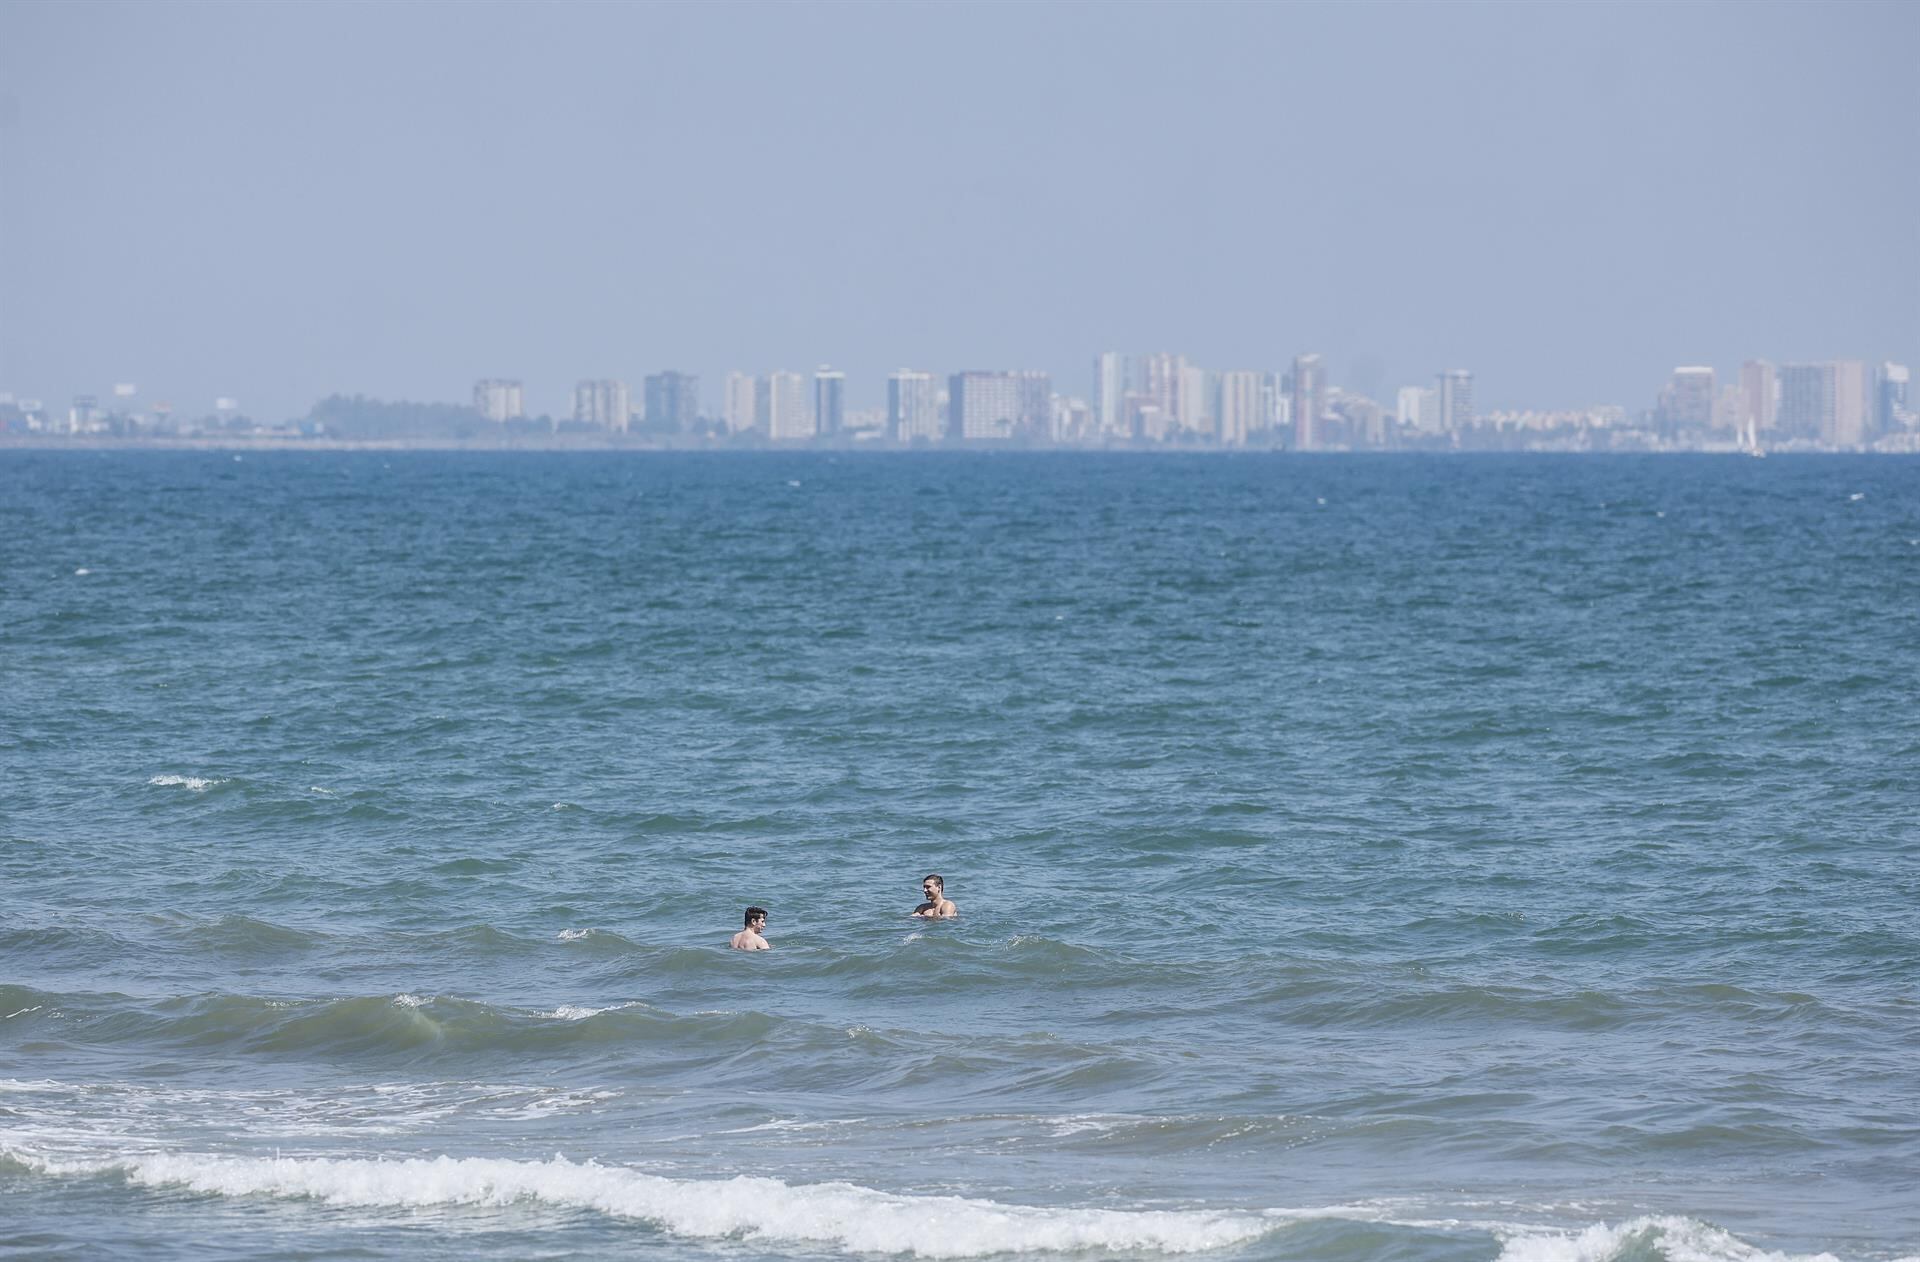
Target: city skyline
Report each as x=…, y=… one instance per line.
x=270, y=203
x=1137, y=399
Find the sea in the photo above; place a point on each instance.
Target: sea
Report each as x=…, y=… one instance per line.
x=1418, y=858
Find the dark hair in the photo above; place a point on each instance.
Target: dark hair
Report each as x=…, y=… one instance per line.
x=937, y=879
x=755, y=911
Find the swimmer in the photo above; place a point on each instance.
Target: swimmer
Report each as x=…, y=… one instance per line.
x=938, y=906
x=749, y=939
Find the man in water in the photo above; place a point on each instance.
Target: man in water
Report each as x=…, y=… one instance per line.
x=749, y=939
x=938, y=906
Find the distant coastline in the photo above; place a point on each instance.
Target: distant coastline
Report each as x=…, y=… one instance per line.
x=672, y=444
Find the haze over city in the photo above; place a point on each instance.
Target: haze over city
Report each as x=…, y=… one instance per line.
x=279, y=203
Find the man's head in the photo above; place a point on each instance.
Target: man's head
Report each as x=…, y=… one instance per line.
x=933, y=886
x=756, y=917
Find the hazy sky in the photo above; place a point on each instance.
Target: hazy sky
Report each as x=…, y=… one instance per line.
x=281, y=200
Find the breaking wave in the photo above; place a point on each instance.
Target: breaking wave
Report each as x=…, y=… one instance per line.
x=842, y=1215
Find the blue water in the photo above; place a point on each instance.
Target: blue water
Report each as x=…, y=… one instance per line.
x=1410, y=858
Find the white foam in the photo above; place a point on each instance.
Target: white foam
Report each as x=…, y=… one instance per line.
x=756, y=1209
x=23, y=1012
x=573, y=935
x=580, y=1012
x=196, y=783
x=412, y=1001
x=1674, y=1238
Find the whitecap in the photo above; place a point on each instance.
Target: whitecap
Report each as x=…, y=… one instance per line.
x=580, y=1012
x=1684, y=1239
x=196, y=783
x=1856, y=497
x=411, y=1001
x=574, y=935
x=761, y=1210
x=82, y=572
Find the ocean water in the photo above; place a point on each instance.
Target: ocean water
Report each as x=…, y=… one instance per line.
x=1357, y=858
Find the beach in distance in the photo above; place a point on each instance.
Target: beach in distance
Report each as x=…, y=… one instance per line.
x=1507, y=859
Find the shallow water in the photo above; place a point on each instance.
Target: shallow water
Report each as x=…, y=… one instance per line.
x=1358, y=857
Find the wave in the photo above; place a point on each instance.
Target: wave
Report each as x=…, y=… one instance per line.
x=762, y=1210
x=406, y=1025
x=850, y=1217
x=198, y=784
x=1665, y=1238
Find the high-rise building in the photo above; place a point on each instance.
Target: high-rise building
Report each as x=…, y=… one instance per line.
x=1687, y=401
x=498, y=400
x=1178, y=389
x=1309, y=395
x=913, y=407
x=602, y=403
x=1072, y=420
x=1806, y=400
x=1242, y=408
x=1109, y=392
x=1760, y=397
x=1417, y=408
x=673, y=402
x=1853, y=404
x=1194, y=407
x=1730, y=412
x=999, y=405
x=1456, y=401
x=1894, y=414
x=829, y=401
x=784, y=396
x=84, y=413
x=740, y=403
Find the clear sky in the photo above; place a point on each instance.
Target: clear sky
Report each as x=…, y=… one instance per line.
x=280, y=200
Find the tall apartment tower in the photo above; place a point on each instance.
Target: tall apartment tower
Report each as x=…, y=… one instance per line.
x=1687, y=401
x=498, y=400
x=1110, y=392
x=1806, y=400
x=740, y=403
x=784, y=396
x=1194, y=408
x=1309, y=401
x=673, y=401
x=1760, y=397
x=1853, y=410
x=1242, y=407
x=913, y=407
x=999, y=405
x=829, y=401
x=602, y=403
x=1892, y=400
x=1456, y=400
x=1178, y=390
x=1418, y=408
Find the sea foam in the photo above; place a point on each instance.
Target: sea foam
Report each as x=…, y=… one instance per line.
x=1673, y=1238
x=195, y=783
x=765, y=1210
